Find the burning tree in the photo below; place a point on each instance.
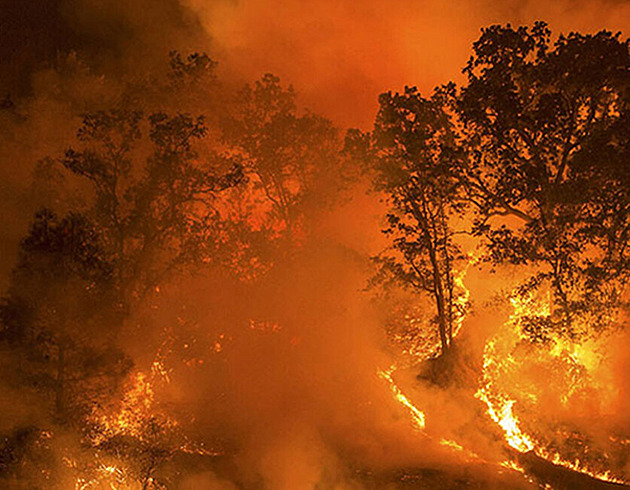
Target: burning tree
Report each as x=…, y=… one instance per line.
x=546, y=127
x=536, y=143
x=533, y=151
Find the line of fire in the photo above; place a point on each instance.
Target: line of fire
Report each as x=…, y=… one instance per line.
x=207, y=284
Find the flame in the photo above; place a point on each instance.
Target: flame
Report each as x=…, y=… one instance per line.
x=137, y=415
x=105, y=476
x=497, y=358
x=417, y=416
x=417, y=342
x=420, y=353
x=457, y=447
x=499, y=405
x=136, y=405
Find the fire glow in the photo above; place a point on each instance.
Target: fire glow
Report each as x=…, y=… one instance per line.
x=500, y=405
x=417, y=416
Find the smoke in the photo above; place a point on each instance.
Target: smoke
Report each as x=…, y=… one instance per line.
x=341, y=55
x=206, y=480
x=293, y=389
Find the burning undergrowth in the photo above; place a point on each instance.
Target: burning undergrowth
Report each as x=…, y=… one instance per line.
x=564, y=419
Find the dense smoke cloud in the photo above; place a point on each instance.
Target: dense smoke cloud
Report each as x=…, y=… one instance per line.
x=340, y=55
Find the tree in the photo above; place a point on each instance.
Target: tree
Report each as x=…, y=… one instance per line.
x=290, y=156
x=152, y=213
x=537, y=141
x=415, y=154
x=547, y=129
x=78, y=277
x=159, y=217
x=56, y=315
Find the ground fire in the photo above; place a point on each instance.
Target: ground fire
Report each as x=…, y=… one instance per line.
x=229, y=263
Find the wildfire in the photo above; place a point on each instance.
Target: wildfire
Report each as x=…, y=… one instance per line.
x=499, y=405
x=136, y=404
x=498, y=359
x=132, y=436
x=419, y=354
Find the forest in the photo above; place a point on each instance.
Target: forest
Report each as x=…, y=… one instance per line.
x=213, y=286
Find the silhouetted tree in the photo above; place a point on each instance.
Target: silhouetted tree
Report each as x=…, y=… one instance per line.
x=538, y=139
x=547, y=129
x=57, y=315
x=292, y=156
x=417, y=162
x=157, y=216
x=78, y=277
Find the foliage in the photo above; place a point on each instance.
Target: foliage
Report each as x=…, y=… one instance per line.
x=158, y=217
x=293, y=158
x=415, y=154
x=143, y=196
x=53, y=316
x=547, y=129
x=536, y=142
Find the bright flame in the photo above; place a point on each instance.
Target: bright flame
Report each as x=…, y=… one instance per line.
x=500, y=406
x=417, y=416
x=497, y=358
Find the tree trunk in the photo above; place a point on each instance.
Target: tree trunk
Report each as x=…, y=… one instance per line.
x=438, y=292
x=438, y=286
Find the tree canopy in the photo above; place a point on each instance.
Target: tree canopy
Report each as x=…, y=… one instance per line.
x=533, y=150
x=417, y=163
x=546, y=127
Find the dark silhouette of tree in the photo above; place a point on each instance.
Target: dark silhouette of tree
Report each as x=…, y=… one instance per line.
x=57, y=315
x=152, y=188
x=291, y=156
x=547, y=129
x=417, y=163
x=157, y=217
x=537, y=143
x=78, y=278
